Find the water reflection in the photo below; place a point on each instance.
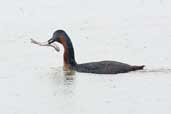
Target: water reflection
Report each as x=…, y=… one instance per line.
x=69, y=80
x=64, y=82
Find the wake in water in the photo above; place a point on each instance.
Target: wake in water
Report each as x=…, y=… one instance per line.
x=157, y=70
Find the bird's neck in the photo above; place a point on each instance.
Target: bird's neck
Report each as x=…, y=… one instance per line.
x=69, y=57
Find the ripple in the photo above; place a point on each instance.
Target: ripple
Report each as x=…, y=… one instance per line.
x=159, y=70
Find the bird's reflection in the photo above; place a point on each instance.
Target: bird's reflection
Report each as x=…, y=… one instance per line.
x=64, y=81
x=69, y=85
x=69, y=80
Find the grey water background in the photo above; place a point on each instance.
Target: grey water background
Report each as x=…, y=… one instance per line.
x=135, y=32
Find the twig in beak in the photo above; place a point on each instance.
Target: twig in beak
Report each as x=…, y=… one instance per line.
x=55, y=46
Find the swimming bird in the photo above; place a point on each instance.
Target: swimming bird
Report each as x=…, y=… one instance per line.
x=101, y=67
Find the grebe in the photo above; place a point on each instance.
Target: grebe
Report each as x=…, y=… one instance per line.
x=101, y=67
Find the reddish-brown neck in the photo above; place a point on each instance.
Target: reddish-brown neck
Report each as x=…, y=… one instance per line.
x=65, y=56
x=69, y=58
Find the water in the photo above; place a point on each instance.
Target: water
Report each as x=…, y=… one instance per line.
x=31, y=77
x=50, y=91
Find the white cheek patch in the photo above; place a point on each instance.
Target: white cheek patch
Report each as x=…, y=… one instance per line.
x=55, y=46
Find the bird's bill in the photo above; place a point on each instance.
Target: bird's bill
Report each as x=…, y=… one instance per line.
x=51, y=40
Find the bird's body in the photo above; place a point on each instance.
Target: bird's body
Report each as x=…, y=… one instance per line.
x=106, y=67
x=101, y=67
